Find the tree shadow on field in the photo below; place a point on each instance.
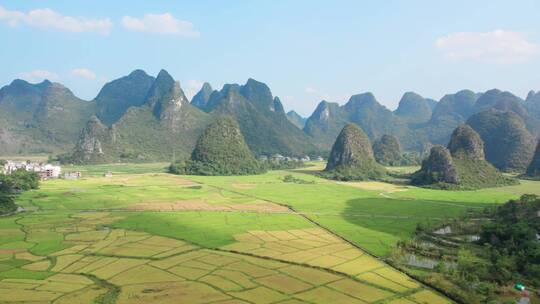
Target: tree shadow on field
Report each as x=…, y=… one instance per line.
x=398, y=217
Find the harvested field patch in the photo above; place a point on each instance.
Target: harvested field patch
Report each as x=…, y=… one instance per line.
x=64, y=261
x=10, y=251
x=397, y=277
x=283, y=283
x=324, y=295
x=143, y=274
x=14, y=285
x=175, y=251
x=261, y=295
x=309, y=275
x=70, y=278
x=7, y=295
x=170, y=293
x=101, y=262
x=402, y=301
x=220, y=283
x=38, y=266
x=218, y=259
x=87, y=295
x=28, y=256
x=188, y=273
x=202, y=205
x=117, y=267
x=359, y=265
x=380, y=281
x=358, y=290
x=60, y=287
x=328, y=261
x=70, y=250
x=250, y=269
x=428, y=297
x=237, y=277
x=199, y=265
x=177, y=259
x=88, y=236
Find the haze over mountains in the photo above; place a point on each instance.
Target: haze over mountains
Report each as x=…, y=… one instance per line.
x=146, y=118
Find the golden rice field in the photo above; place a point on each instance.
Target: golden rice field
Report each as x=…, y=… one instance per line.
x=135, y=267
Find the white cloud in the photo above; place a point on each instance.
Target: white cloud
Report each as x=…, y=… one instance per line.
x=160, y=24
x=83, y=73
x=38, y=75
x=47, y=18
x=192, y=88
x=497, y=46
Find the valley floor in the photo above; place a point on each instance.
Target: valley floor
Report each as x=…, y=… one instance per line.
x=144, y=236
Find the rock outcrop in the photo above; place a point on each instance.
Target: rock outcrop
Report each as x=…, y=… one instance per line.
x=89, y=147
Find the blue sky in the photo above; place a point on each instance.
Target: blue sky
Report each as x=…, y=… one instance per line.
x=304, y=50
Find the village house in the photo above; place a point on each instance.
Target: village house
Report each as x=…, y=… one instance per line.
x=72, y=175
x=45, y=171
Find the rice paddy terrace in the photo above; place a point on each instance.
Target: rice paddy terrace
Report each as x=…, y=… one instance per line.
x=144, y=236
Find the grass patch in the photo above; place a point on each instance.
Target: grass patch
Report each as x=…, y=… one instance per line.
x=208, y=229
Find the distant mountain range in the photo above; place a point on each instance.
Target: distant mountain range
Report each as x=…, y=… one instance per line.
x=139, y=117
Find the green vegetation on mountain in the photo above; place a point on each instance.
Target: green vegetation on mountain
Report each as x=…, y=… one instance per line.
x=467, y=150
x=163, y=127
x=363, y=110
x=533, y=170
x=505, y=102
x=352, y=157
x=40, y=118
x=374, y=118
x=325, y=124
x=221, y=150
x=200, y=100
x=437, y=171
x=466, y=142
x=47, y=118
x=451, y=110
x=507, y=143
x=414, y=108
x=296, y=119
x=264, y=124
x=387, y=151
x=117, y=96
x=532, y=104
